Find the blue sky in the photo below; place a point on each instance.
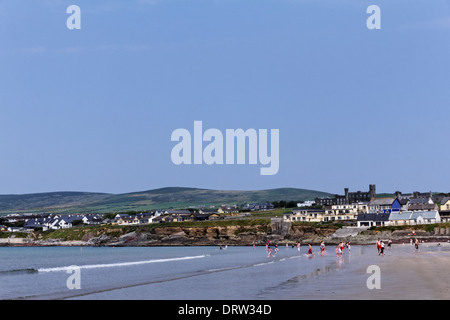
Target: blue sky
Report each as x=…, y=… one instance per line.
x=94, y=109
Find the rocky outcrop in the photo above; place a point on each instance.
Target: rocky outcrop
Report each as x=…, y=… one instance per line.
x=220, y=235
x=96, y=241
x=211, y=235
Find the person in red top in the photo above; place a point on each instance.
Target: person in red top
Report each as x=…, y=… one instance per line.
x=342, y=246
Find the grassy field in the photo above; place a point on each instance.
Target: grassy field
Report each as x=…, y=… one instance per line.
x=165, y=198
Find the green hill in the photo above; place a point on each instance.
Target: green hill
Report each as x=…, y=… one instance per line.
x=172, y=197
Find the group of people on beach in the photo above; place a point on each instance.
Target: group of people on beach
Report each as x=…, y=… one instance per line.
x=310, y=249
x=339, y=250
x=272, y=253
x=381, y=246
x=269, y=250
x=310, y=253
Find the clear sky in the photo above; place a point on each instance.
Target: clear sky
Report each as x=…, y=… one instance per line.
x=93, y=109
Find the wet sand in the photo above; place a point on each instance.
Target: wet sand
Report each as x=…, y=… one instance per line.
x=416, y=275
x=405, y=275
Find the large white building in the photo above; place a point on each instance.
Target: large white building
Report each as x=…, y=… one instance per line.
x=413, y=217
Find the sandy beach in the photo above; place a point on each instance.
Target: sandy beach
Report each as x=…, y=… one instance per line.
x=404, y=275
x=242, y=272
x=415, y=275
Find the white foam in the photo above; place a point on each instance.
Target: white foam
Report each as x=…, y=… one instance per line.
x=119, y=264
x=263, y=263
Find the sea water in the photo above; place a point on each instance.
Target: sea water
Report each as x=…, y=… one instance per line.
x=180, y=273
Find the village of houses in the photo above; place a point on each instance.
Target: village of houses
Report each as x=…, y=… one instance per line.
x=364, y=209
x=31, y=221
x=361, y=209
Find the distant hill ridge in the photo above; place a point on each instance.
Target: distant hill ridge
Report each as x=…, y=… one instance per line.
x=168, y=197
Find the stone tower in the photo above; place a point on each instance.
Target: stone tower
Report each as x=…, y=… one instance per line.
x=372, y=191
x=347, y=201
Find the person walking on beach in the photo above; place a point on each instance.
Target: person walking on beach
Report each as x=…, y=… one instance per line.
x=298, y=246
x=341, y=247
x=322, y=248
x=378, y=245
x=310, y=251
x=416, y=244
x=389, y=243
x=381, y=249
x=338, y=251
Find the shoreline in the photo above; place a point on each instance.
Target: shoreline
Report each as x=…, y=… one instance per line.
x=405, y=274
x=238, y=233
x=356, y=240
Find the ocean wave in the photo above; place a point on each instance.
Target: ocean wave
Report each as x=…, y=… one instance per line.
x=18, y=271
x=118, y=264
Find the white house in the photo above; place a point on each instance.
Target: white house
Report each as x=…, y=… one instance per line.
x=413, y=218
x=305, y=215
x=92, y=219
x=57, y=222
x=64, y=223
x=344, y=211
x=307, y=203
